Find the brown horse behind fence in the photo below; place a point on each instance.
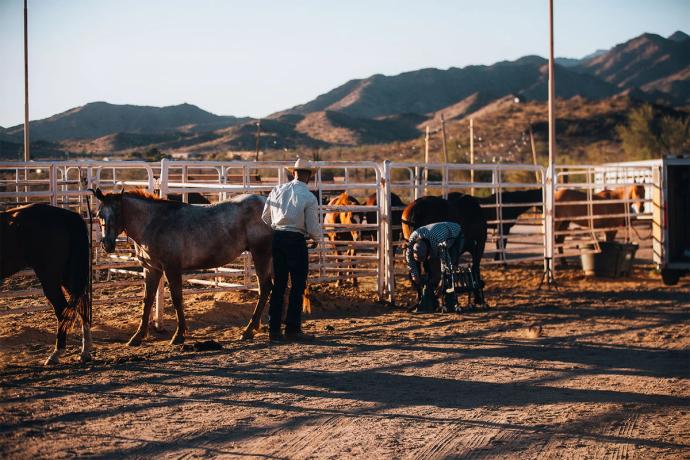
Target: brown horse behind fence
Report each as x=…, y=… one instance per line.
x=336, y=235
x=395, y=217
x=571, y=206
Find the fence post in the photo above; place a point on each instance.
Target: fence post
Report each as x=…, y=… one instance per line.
x=499, y=211
x=386, y=235
x=549, y=216
x=53, y=184
x=164, y=178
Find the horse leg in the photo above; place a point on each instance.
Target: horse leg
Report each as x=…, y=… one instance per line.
x=339, y=272
x=175, y=282
x=504, y=243
x=53, y=293
x=263, y=264
x=86, y=343
x=560, y=239
x=151, y=279
x=355, y=282
x=478, y=291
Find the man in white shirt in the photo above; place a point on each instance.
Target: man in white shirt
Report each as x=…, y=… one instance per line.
x=292, y=212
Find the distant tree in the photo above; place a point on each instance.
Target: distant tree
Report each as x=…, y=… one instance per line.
x=649, y=135
x=152, y=154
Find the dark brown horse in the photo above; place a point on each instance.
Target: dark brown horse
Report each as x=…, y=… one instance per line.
x=53, y=242
x=460, y=208
x=171, y=237
x=518, y=202
x=372, y=217
x=350, y=218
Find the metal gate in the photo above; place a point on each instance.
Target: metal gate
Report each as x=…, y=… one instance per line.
x=496, y=187
x=66, y=184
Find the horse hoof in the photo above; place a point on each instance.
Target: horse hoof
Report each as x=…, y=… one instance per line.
x=247, y=335
x=84, y=358
x=52, y=359
x=134, y=341
x=178, y=339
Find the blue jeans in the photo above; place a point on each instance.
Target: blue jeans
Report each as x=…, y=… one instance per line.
x=290, y=258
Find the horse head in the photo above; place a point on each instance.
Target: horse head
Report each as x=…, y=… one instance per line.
x=346, y=217
x=636, y=193
x=109, y=217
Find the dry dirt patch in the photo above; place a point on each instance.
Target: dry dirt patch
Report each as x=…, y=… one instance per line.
x=606, y=376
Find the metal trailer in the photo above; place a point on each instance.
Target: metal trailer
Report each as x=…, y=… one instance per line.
x=671, y=218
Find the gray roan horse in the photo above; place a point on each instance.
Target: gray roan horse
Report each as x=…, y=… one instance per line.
x=171, y=237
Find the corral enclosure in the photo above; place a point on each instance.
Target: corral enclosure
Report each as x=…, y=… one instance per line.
x=375, y=240
x=598, y=368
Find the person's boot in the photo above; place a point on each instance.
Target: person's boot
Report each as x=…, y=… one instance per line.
x=276, y=338
x=427, y=303
x=299, y=336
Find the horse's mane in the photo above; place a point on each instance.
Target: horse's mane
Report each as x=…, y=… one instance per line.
x=143, y=193
x=146, y=195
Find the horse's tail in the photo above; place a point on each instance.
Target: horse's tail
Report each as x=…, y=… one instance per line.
x=77, y=275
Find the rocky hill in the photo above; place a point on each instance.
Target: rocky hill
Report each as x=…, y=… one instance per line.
x=380, y=109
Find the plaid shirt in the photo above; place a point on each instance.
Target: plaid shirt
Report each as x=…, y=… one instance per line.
x=435, y=234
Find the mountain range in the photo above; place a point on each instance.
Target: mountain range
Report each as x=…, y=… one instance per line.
x=376, y=110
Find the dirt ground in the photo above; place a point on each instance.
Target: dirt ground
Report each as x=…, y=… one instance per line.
x=597, y=369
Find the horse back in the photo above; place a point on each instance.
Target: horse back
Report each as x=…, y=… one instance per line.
x=467, y=211
x=51, y=240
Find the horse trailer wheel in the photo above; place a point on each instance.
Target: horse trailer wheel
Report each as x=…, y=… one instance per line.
x=670, y=277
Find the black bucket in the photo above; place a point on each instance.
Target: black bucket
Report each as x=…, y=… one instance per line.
x=615, y=259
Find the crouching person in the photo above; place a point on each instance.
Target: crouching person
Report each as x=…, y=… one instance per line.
x=423, y=251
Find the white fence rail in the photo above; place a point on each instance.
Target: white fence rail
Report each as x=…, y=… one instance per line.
x=374, y=241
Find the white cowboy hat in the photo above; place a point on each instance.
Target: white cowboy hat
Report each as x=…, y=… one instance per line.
x=303, y=165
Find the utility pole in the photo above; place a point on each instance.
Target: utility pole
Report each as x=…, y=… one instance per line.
x=472, y=154
x=27, y=154
x=445, y=144
x=258, y=139
x=426, y=158
x=549, y=183
x=534, y=148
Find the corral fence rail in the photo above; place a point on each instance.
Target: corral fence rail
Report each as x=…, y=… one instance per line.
x=373, y=250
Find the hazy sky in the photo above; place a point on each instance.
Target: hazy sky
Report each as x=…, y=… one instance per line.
x=257, y=57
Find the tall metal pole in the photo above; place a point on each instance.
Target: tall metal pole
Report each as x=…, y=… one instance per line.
x=472, y=154
x=534, y=148
x=26, y=84
x=445, y=143
x=426, y=158
x=549, y=184
x=258, y=139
